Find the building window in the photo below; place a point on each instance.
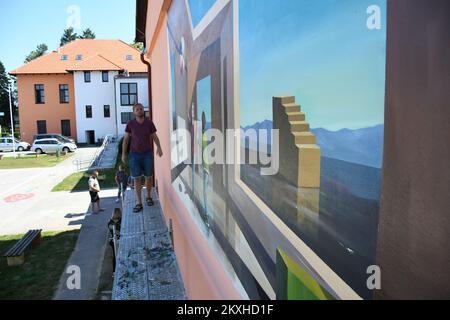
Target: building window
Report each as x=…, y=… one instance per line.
x=41, y=127
x=64, y=57
x=89, y=112
x=126, y=117
x=39, y=93
x=64, y=93
x=79, y=57
x=87, y=76
x=65, y=128
x=128, y=94
x=107, y=111
x=105, y=76
x=129, y=57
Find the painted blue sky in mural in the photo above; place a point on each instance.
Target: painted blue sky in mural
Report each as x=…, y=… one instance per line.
x=204, y=99
x=199, y=8
x=320, y=51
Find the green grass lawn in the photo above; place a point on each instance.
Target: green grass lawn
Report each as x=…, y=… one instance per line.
x=38, y=278
x=32, y=161
x=79, y=181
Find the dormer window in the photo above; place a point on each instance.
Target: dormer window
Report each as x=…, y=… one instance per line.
x=79, y=57
x=129, y=57
x=64, y=57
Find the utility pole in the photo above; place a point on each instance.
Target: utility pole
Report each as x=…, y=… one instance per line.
x=12, y=121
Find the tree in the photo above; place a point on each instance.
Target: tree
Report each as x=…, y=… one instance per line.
x=40, y=51
x=4, y=98
x=87, y=34
x=68, y=36
x=138, y=45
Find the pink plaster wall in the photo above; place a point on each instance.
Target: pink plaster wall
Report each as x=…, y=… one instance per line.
x=203, y=275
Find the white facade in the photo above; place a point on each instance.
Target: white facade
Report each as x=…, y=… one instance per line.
x=142, y=97
x=99, y=94
x=96, y=94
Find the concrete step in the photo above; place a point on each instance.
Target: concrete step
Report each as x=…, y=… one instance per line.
x=308, y=147
x=283, y=100
x=299, y=126
x=291, y=107
x=304, y=138
x=296, y=116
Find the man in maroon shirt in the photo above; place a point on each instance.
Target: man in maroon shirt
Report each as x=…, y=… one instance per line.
x=142, y=133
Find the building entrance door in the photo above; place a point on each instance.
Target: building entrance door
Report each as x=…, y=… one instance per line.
x=90, y=137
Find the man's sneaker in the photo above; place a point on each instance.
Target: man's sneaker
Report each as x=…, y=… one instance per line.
x=117, y=200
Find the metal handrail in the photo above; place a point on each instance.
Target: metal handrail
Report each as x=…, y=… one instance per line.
x=96, y=160
x=100, y=153
x=79, y=164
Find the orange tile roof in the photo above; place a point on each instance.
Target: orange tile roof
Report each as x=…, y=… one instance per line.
x=95, y=54
x=95, y=63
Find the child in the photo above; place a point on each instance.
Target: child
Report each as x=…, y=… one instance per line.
x=115, y=221
x=122, y=181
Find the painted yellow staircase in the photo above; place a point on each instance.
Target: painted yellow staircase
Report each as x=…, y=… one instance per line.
x=299, y=153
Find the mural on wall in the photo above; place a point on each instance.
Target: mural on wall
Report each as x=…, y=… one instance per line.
x=314, y=72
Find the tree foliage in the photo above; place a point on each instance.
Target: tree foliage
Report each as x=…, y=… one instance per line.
x=138, y=45
x=87, y=34
x=4, y=98
x=68, y=36
x=40, y=51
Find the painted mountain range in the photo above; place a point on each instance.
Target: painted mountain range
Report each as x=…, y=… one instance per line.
x=361, y=146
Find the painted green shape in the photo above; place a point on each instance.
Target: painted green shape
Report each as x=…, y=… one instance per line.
x=305, y=287
x=296, y=290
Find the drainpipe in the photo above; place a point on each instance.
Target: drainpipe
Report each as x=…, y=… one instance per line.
x=149, y=74
x=150, y=103
x=115, y=107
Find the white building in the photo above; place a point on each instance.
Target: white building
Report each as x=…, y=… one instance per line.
x=72, y=90
x=106, y=86
x=128, y=90
x=94, y=105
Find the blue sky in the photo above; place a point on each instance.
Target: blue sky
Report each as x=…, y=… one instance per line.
x=27, y=23
x=320, y=51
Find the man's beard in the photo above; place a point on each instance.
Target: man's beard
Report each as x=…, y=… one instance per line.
x=141, y=116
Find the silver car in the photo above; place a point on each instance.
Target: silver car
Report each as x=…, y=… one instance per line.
x=6, y=144
x=52, y=146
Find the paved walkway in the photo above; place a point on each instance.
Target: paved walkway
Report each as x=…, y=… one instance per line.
x=109, y=157
x=88, y=255
x=26, y=200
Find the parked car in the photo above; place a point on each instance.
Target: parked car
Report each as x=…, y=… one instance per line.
x=52, y=146
x=6, y=144
x=53, y=136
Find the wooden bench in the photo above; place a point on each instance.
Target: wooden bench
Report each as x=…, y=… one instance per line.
x=16, y=254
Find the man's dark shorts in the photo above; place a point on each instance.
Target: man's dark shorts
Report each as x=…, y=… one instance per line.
x=94, y=196
x=141, y=164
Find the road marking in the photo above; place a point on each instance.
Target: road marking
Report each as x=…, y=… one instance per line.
x=18, y=197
